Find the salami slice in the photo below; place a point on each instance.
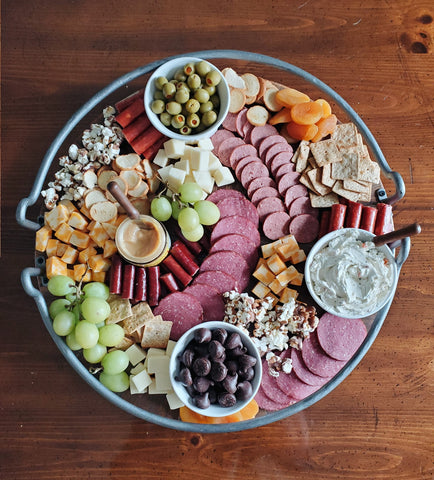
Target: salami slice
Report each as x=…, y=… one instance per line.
x=268, y=142
x=259, y=133
x=316, y=360
x=219, y=136
x=302, y=205
x=276, y=225
x=271, y=389
x=211, y=300
x=304, y=227
x=266, y=403
x=302, y=372
x=239, y=244
x=243, y=162
x=296, y=191
x=230, y=122
x=223, y=193
x=229, y=262
x=264, y=192
x=293, y=386
x=339, y=337
x=252, y=171
x=240, y=121
x=287, y=168
x=274, y=150
x=286, y=181
x=282, y=158
x=239, y=152
x=236, y=224
x=259, y=183
x=268, y=206
x=238, y=206
x=226, y=148
x=221, y=281
x=184, y=310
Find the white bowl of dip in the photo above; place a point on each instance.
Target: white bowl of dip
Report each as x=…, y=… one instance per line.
x=348, y=276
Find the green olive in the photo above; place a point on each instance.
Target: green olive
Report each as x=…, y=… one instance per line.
x=185, y=130
x=173, y=108
x=184, y=85
x=208, y=118
x=215, y=99
x=166, y=119
x=169, y=90
x=210, y=89
x=206, y=107
x=178, y=121
x=182, y=95
x=193, y=120
x=180, y=76
x=189, y=69
x=213, y=78
x=192, y=106
x=194, y=81
x=158, y=95
x=159, y=82
x=157, y=106
x=201, y=95
x=202, y=68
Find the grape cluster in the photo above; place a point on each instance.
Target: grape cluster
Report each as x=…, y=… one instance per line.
x=80, y=316
x=188, y=209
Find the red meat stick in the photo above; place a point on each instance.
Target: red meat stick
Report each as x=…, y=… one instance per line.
x=131, y=112
x=128, y=281
x=116, y=275
x=146, y=139
x=173, y=266
x=127, y=101
x=153, y=285
x=337, y=217
x=383, y=222
x=150, y=152
x=324, y=223
x=354, y=214
x=369, y=215
x=184, y=257
x=137, y=127
x=140, y=285
x=169, y=281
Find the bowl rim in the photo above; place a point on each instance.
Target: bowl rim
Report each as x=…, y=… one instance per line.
x=172, y=66
x=181, y=391
x=29, y=274
x=363, y=235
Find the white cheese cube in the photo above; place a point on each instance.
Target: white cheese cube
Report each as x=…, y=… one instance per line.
x=162, y=380
x=175, y=179
x=205, y=144
x=199, y=159
x=141, y=381
x=173, y=401
x=164, y=172
x=170, y=346
x=133, y=389
x=174, y=148
x=135, y=353
x=161, y=159
x=153, y=352
x=213, y=163
x=188, y=150
x=223, y=176
x=183, y=164
x=153, y=389
x=204, y=179
x=138, y=368
x=158, y=364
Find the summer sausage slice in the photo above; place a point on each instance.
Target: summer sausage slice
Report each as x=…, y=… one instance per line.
x=239, y=244
x=302, y=372
x=287, y=168
x=230, y=122
x=236, y=224
x=294, y=192
x=240, y=121
x=243, y=162
x=293, y=386
x=302, y=205
x=259, y=133
x=271, y=388
x=268, y=206
x=276, y=225
x=184, y=310
x=223, y=193
x=282, y=158
x=339, y=337
x=219, y=136
x=239, y=152
x=264, y=192
x=238, y=206
x=252, y=171
x=222, y=281
x=288, y=180
x=266, y=403
x=274, y=150
x=316, y=360
x=260, y=182
x=211, y=300
x=269, y=142
x=304, y=227
x=226, y=148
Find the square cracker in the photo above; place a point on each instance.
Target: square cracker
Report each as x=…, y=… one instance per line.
x=323, y=201
x=348, y=168
x=325, y=152
x=302, y=155
x=356, y=185
x=120, y=309
x=305, y=180
x=339, y=189
x=368, y=170
x=315, y=176
x=345, y=135
x=156, y=334
x=326, y=178
x=141, y=314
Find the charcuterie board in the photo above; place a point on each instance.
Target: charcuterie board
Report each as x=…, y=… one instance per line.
x=249, y=200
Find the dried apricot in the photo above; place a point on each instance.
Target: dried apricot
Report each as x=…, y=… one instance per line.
x=326, y=108
x=248, y=412
x=301, y=132
x=288, y=97
x=326, y=126
x=306, y=113
x=284, y=116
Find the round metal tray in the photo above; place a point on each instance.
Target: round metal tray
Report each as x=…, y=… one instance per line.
x=145, y=407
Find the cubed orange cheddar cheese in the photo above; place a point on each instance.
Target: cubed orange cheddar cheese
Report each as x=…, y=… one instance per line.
x=84, y=255
x=270, y=248
x=289, y=240
x=42, y=237
x=98, y=235
x=54, y=266
x=298, y=256
x=69, y=205
x=80, y=239
x=70, y=273
x=64, y=232
x=98, y=263
x=98, y=276
x=275, y=286
x=85, y=211
x=297, y=280
x=110, y=229
x=77, y=220
x=61, y=249
x=52, y=246
x=261, y=261
x=286, y=250
x=109, y=248
x=276, y=264
x=260, y=290
x=57, y=217
x=70, y=256
x=82, y=273
x=286, y=294
x=263, y=275
x=287, y=275
x=91, y=225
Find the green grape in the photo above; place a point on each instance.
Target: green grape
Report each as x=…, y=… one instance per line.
x=77, y=312
x=190, y=192
x=188, y=219
x=57, y=306
x=116, y=383
x=64, y=323
x=96, y=289
x=86, y=334
x=111, y=335
x=72, y=343
x=115, y=362
x=208, y=212
x=72, y=297
x=95, y=309
x=194, y=235
x=60, y=285
x=176, y=208
x=161, y=209
x=95, y=354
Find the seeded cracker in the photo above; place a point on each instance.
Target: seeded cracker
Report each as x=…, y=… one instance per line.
x=120, y=309
x=348, y=168
x=325, y=152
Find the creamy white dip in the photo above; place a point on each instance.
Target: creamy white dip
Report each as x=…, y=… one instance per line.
x=351, y=276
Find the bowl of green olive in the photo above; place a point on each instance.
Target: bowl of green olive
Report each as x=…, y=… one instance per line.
x=187, y=98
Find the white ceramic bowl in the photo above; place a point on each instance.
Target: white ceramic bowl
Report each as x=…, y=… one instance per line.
x=181, y=391
x=362, y=312
x=168, y=70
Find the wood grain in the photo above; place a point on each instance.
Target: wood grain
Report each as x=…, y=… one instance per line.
x=378, y=56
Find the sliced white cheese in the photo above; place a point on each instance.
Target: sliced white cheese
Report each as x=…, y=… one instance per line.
x=223, y=176
x=174, y=148
x=204, y=179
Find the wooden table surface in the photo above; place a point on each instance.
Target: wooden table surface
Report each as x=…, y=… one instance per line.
x=379, y=56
